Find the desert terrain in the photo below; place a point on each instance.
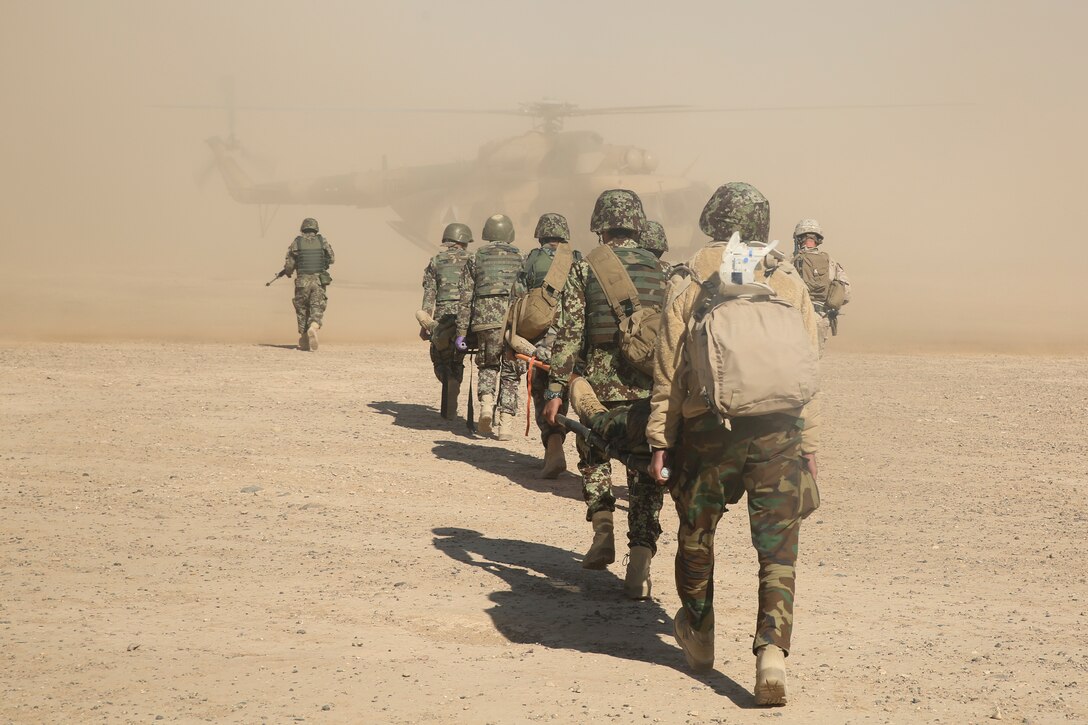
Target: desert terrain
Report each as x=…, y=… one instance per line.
x=249, y=533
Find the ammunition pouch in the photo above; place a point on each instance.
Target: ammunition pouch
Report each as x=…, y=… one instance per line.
x=836, y=295
x=324, y=278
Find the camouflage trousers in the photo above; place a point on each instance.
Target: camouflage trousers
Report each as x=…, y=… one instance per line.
x=644, y=495
x=714, y=468
x=448, y=360
x=824, y=331
x=538, y=387
x=310, y=301
x=490, y=357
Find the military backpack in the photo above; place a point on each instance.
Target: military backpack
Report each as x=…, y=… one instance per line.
x=533, y=312
x=750, y=354
x=815, y=270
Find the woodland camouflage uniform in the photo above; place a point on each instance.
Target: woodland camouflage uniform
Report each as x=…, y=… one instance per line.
x=715, y=465
x=615, y=381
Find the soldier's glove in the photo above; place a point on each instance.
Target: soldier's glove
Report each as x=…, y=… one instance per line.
x=543, y=353
x=460, y=343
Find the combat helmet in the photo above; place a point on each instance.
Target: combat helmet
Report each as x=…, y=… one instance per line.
x=552, y=226
x=737, y=207
x=809, y=226
x=498, y=228
x=617, y=209
x=653, y=238
x=309, y=224
x=457, y=232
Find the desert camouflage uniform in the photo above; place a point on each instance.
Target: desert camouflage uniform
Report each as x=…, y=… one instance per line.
x=450, y=360
x=714, y=465
x=310, y=298
x=485, y=317
x=616, y=383
x=533, y=277
x=834, y=272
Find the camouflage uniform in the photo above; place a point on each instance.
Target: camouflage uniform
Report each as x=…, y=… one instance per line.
x=616, y=382
x=451, y=259
x=485, y=317
x=537, y=263
x=714, y=463
x=311, y=298
x=818, y=288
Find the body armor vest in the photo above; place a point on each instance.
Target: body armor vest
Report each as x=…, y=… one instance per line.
x=497, y=267
x=645, y=272
x=447, y=267
x=310, y=258
x=815, y=270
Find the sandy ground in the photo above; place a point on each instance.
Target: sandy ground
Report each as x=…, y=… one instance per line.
x=250, y=533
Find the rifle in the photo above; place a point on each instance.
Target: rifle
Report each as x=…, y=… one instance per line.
x=634, y=461
x=281, y=273
x=833, y=321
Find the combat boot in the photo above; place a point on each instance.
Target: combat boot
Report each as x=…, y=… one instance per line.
x=602, y=551
x=583, y=401
x=554, y=460
x=311, y=336
x=636, y=585
x=303, y=343
x=698, y=644
x=487, y=406
x=504, y=425
x=770, y=675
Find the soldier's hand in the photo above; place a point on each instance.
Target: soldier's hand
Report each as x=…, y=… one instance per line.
x=423, y=334
x=658, y=462
x=460, y=343
x=543, y=353
x=551, y=409
x=808, y=460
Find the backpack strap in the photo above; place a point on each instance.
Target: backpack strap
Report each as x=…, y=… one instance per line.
x=616, y=283
x=561, y=263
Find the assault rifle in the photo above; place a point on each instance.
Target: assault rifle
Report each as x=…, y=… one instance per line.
x=281, y=273
x=634, y=461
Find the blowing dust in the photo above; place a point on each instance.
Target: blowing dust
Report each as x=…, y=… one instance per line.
x=949, y=183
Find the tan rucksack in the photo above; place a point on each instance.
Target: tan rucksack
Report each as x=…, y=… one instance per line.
x=751, y=355
x=637, y=331
x=533, y=312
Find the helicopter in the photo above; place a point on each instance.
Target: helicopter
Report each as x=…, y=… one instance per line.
x=546, y=169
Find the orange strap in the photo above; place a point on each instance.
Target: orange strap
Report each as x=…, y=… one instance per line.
x=533, y=363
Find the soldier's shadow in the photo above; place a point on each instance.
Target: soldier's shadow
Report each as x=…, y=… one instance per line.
x=519, y=468
x=419, y=417
x=278, y=347
x=555, y=603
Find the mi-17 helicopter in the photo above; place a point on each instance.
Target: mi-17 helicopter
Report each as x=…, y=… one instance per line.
x=545, y=169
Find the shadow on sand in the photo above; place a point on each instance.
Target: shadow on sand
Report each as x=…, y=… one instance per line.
x=553, y=602
x=519, y=468
x=278, y=347
x=419, y=417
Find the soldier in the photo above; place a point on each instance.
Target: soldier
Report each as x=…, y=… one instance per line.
x=441, y=300
x=826, y=279
x=552, y=231
x=487, y=280
x=653, y=239
x=716, y=460
x=586, y=342
x=310, y=256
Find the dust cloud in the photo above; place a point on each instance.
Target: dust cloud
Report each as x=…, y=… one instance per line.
x=941, y=146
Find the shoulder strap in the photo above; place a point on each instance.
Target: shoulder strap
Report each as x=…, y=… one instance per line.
x=561, y=262
x=616, y=283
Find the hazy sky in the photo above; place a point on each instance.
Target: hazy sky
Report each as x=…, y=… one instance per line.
x=956, y=221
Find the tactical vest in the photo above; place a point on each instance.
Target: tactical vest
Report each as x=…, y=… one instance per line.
x=536, y=268
x=645, y=272
x=310, y=257
x=447, y=267
x=497, y=267
x=815, y=270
